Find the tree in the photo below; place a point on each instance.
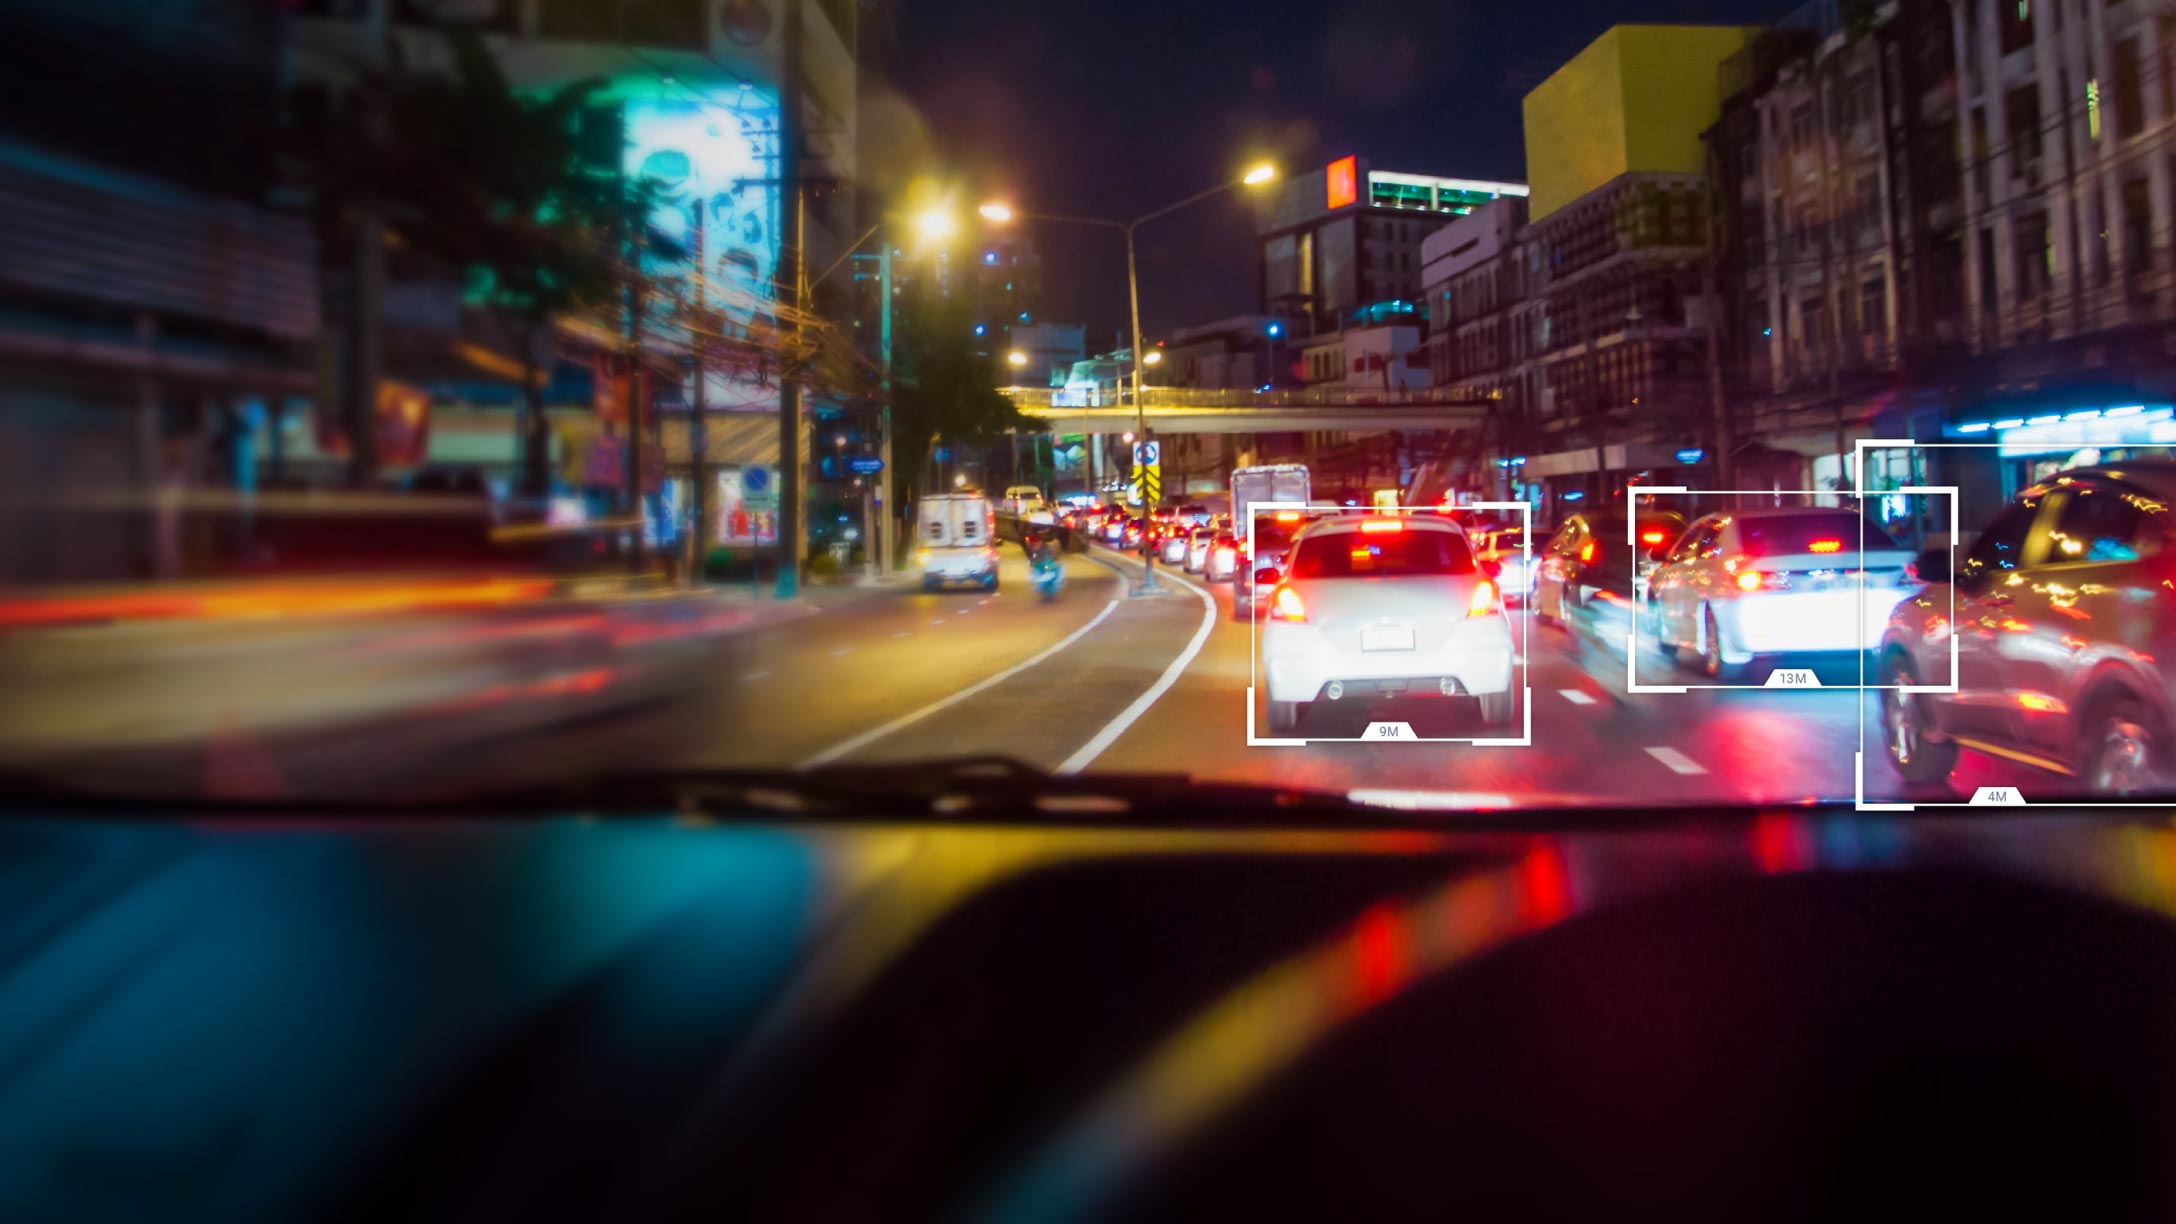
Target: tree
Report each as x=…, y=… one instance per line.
x=492, y=182
x=943, y=389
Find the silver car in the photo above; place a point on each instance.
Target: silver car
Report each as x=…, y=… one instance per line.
x=2062, y=636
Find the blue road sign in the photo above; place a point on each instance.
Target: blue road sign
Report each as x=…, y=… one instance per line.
x=867, y=465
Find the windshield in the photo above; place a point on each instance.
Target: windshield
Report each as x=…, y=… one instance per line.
x=1774, y=536
x=1395, y=554
x=410, y=399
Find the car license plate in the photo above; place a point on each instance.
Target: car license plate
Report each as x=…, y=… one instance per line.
x=1386, y=637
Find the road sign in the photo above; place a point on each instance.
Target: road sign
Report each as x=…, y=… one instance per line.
x=1151, y=453
x=867, y=465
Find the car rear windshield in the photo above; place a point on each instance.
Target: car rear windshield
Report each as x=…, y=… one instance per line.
x=1817, y=532
x=1354, y=554
x=1269, y=532
x=1508, y=541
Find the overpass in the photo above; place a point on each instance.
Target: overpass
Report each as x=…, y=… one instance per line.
x=1187, y=410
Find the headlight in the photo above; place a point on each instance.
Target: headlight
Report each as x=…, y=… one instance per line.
x=922, y=558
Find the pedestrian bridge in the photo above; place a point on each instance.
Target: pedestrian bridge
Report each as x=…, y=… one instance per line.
x=1187, y=410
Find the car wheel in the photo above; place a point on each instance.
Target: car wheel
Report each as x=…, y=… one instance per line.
x=931, y=584
x=990, y=583
x=1285, y=715
x=1905, y=722
x=2124, y=753
x=1496, y=708
x=1711, y=650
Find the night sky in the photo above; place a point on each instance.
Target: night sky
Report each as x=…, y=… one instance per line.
x=1118, y=107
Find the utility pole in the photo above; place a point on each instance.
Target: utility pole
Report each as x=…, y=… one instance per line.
x=1712, y=290
x=791, y=267
x=884, y=429
x=698, y=423
x=360, y=371
x=637, y=383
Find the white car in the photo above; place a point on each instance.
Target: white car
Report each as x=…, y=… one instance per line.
x=1383, y=606
x=1515, y=576
x=1776, y=581
x=1198, y=542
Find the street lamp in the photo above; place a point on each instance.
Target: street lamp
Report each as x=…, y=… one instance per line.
x=1016, y=359
x=1000, y=212
x=935, y=224
x=1153, y=357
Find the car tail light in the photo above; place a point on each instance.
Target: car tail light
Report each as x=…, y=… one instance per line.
x=1381, y=526
x=1652, y=537
x=1586, y=551
x=1824, y=546
x=1288, y=516
x=1762, y=580
x=1483, y=601
x=1285, y=605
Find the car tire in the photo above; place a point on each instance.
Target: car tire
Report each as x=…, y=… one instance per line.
x=1904, y=724
x=1711, y=651
x=990, y=583
x=1284, y=716
x=1496, y=709
x=2123, y=752
x=932, y=584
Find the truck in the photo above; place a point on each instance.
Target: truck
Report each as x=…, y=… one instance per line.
x=956, y=540
x=1281, y=483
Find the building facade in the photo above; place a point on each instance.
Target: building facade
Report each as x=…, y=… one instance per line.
x=1346, y=236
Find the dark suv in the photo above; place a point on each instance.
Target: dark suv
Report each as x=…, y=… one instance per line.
x=2063, y=630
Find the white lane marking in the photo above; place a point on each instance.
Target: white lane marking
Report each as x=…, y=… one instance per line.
x=754, y=675
x=904, y=721
x=1677, y=761
x=938, y=621
x=1575, y=696
x=1126, y=717
x=902, y=633
x=843, y=650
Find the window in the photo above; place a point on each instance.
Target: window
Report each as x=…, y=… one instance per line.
x=2130, y=86
x=2000, y=548
x=2015, y=18
x=2099, y=526
x=1350, y=554
x=2025, y=134
x=1803, y=122
x=1874, y=305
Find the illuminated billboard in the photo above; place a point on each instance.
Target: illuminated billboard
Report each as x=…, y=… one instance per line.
x=1344, y=181
x=714, y=157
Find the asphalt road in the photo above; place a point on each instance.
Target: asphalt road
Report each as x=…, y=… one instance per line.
x=1108, y=682
x=1097, y=680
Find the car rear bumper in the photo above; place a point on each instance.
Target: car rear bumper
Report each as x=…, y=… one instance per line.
x=962, y=566
x=1298, y=662
x=1806, y=623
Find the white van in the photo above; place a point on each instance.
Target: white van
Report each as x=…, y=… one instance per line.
x=957, y=537
x=1026, y=501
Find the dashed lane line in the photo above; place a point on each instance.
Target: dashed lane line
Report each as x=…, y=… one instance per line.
x=1677, y=761
x=904, y=721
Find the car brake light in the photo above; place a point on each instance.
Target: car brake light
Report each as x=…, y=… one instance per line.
x=1651, y=537
x=1824, y=546
x=1286, y=606
x=1483, y=601
x=1586, y=551
x=1379, y=526
x=1761, y=580
x=1288, y=516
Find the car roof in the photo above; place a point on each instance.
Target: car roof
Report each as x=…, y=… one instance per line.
x=1347, y=524
x=2153, y=473
x=1769, y=512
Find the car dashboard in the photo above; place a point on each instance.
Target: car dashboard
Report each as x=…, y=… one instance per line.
x=696, y=1012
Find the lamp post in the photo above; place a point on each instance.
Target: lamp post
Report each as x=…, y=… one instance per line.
x=1004, y=213
x=933, y=225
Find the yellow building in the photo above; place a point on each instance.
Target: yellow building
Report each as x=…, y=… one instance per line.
x=1636, y=99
